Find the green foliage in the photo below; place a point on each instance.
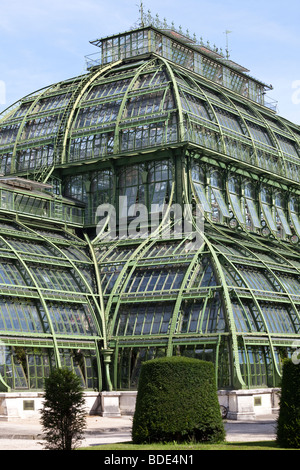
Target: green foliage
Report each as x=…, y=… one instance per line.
x=63, y=414
x=288, y=424
x=177, y=400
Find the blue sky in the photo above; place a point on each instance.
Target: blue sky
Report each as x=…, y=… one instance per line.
x=45, y=41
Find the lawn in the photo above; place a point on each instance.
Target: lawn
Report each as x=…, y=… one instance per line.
x=188, y=447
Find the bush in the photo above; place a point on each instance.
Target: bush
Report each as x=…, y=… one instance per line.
x=288, y=423
x=63, y=415
x=177, y=400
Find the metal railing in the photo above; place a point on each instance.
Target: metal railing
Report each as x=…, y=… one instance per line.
x=41, y=208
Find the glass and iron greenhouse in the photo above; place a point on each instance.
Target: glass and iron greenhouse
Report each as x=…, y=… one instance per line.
x=158, y=121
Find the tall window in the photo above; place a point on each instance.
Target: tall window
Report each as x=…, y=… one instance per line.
x=101, y=188
x=149, y=185
x=266, y=205
x=96, y=187
x=159, y=186
x=199, y=183
x=294, y=214
x=250, y=208
x=132, y=189
x=235, y=199
x=218, y=205
x=75, y=187
x=281, y=219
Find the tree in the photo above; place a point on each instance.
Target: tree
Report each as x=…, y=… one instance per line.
x=177, y=400
x=63, y=413
x=288, y=423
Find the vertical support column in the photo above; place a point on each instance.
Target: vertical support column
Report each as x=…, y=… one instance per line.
x=179, y=169
x=106, y=354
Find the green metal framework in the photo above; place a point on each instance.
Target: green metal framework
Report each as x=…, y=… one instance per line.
x=159, y=120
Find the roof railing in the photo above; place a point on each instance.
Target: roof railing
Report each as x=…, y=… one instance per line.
x=93, y=60
x=270, y=103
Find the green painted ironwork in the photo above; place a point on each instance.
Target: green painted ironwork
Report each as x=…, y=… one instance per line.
x=161, y=119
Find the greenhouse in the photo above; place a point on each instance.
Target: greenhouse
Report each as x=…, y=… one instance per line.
x=160, y=122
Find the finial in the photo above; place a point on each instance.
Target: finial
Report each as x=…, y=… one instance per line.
x=157, y=21
x=141, y=10
x=149, y=17
x=227, y=49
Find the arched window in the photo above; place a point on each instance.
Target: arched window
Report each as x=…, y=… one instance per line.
x=149, y=185
x=131, y=189
x=159, y=184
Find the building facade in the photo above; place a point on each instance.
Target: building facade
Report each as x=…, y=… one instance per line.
x=159, y=126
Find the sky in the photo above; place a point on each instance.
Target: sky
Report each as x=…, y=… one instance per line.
x=45, y=41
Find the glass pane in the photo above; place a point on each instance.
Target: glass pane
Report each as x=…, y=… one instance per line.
x=159, y=193
x=228, y=120
x=236, y=208
x=202, y=197
x=268, y=214
x=19, y=374
x=253, y=214
x=221, y=202
x=283, y=220
x=296, y=223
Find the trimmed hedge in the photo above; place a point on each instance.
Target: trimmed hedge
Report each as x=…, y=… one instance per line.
x=288, y=423
x=177, y=401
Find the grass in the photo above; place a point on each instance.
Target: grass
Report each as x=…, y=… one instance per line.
x=173, y=446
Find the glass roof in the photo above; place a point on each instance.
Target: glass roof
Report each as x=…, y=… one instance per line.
x=150, y=103
x=46, y=285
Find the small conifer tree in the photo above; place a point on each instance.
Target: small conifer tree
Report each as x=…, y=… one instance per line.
x=63, y=413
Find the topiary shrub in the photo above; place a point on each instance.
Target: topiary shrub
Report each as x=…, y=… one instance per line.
x=177, y=400
x=288, y=423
